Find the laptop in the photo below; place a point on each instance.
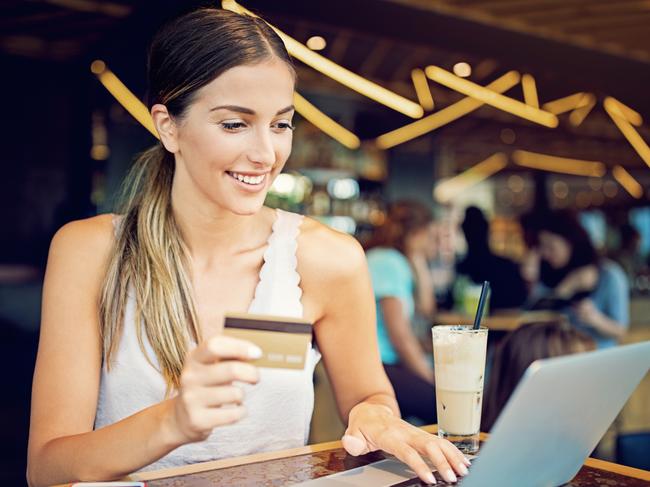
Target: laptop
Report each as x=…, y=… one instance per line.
x=553, y=420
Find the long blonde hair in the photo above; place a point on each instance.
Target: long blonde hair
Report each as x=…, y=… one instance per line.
x=149, y=257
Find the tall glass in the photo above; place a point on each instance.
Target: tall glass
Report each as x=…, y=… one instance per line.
x=459, y=363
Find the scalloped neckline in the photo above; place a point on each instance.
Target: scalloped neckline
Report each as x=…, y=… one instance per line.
x=265, y=259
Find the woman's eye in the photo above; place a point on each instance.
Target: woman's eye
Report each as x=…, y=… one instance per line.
x=284, y=126
x=233, y=125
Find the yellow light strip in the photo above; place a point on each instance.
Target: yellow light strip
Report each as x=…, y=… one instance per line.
x=565, y=104
x=530, y=90
x=422, y=90
x=489, y=97
x=325, y=123
x=123, y=95
x=337, y=72
x=444, y=116
x=628, y=182
x=578, y=115
x=629, y=132
x=564, y=165
x=447, y=190
x=627, y=113
x=139, y=111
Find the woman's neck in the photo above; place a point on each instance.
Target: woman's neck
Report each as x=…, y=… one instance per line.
x=214, y=234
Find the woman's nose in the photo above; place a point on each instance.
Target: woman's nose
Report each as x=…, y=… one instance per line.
x=262, y=150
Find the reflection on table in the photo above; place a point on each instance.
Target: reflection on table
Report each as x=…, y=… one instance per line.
x=300, y=464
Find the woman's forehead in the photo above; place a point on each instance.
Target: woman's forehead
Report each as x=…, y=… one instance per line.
x=265, y=87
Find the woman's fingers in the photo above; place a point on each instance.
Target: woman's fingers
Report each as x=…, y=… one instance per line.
x=222, y=395
x=220, y=373
x=213, y=417
x=431, y=449
x=455, y=457
x=412, y=458
x=222, y=347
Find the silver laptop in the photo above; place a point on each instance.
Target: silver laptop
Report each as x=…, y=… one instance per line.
x=552, y=422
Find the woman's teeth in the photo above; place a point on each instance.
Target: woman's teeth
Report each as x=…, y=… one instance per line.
x=247, y=179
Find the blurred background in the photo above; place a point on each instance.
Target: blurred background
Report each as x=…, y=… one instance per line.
x=571, y=131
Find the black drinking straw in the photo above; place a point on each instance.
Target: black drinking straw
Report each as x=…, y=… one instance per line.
x=481, y=304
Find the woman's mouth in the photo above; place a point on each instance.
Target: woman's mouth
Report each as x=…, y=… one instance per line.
x=248, y=180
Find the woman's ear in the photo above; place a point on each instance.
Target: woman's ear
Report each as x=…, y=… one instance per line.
x=165, y=126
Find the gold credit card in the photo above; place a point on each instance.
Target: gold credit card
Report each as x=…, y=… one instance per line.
x=284, y=341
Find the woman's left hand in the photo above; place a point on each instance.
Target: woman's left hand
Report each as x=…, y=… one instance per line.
x=374, y=427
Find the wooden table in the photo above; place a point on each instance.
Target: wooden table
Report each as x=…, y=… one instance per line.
x=291, y=466
x=498, y=321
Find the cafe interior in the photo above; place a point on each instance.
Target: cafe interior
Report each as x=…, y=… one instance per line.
x=496, y=116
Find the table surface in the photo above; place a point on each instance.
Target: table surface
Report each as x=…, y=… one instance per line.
x=506, y=321
x=309, y=462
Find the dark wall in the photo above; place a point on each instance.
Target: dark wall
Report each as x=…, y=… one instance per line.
x=45, y=157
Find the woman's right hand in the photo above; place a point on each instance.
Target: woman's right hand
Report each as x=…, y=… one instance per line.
x=208, y=395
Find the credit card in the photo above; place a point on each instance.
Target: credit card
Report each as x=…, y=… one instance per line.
x=284, y=341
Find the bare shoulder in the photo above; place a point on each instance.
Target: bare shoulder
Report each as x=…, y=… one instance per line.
x=83, y=242
x=328, y=253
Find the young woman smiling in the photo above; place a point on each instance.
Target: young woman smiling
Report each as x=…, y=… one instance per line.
x=132, y=370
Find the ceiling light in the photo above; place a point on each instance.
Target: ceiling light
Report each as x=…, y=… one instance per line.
x=489, y=97
x=444, y=116
x=316, y=43
x=462, y=70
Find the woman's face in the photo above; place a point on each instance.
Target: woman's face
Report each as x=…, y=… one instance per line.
x=421, y=241
x=554, y=249
x=235, y=137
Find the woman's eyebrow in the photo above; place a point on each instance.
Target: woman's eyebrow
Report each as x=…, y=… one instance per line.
x=285, y=110
x=248, y=111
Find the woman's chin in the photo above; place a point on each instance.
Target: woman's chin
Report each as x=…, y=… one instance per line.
x=247, y=208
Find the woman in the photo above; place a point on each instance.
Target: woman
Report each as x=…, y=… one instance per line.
x=519, y=349
x=401, y=280
x=593, y=292
x=132, y=370
x=507, y=287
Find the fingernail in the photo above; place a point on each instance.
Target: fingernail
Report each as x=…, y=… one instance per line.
x=463, y=469
x=430, y=478
x=468, y=462
x=449, y=475
x=254, y=352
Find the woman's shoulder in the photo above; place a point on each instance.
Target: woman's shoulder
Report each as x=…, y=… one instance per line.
x=89, y=236
x=327, y=252
x=611, y=271
x=386, y=257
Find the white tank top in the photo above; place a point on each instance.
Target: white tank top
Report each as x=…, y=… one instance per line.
x=279, y=406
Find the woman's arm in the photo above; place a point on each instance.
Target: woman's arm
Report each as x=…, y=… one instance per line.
x=404, y=341
x=425, y=296
x=580, y=279
x=62, y=444
x=590, y=315
x=611, y=315
x=333, y=268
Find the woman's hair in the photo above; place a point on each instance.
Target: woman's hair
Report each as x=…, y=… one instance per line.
x=476, y=229
x=565, y=223
x=519, y=349
x=149, y=257
x=402, y=219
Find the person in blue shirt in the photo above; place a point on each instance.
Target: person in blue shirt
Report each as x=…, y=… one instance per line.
x=592, y=292
x=401, y=280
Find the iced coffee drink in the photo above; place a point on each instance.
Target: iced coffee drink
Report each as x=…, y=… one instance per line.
x=459, y=362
